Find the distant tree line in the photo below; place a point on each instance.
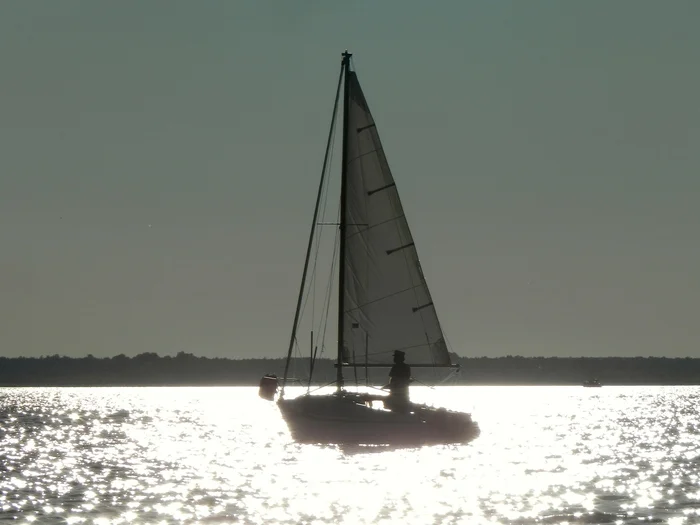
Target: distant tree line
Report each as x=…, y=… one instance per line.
x=149, y=369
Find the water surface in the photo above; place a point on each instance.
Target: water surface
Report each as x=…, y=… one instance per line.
x=187, y=455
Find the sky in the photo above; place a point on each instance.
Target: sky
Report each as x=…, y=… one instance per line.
x=159, y=162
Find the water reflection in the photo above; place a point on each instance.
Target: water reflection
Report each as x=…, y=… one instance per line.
x=219, y=455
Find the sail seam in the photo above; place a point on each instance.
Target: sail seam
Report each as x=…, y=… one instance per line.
x=360, y=307
x=375, y=226
x=360, y=156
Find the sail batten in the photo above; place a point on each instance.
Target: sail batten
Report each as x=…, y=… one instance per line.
x=386, y=302
x=372, y=192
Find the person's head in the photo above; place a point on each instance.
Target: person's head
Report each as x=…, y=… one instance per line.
x=399, y=356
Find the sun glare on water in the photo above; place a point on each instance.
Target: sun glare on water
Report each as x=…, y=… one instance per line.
x=222, y=455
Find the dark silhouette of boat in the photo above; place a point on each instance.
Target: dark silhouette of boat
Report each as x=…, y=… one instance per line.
x=384, y=305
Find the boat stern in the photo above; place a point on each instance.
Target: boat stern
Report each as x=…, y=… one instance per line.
x=268, y=387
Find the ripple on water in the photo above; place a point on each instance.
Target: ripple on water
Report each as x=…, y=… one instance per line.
x=221, y=455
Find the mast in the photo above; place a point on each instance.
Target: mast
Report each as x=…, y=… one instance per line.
x=343, y=225
x=313, y=230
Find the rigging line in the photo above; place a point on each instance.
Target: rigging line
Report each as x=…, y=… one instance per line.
x=325, y=204
x=320, y=387
x=311, y=291
x=309, y=246
x=317, y=231
x=329, y=288
x=447, y=342
x=326, y=191
x=327, y=188
x=324, y=308
x=386, y=352
x=453, y=373
x=422, y=383
x=321, y=331
x=312, y=277
x=410, y=347
x=297, y=354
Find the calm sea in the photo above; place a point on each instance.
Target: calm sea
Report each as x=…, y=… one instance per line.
x=221, y=455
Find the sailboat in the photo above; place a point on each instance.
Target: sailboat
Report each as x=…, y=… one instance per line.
x=384, y=304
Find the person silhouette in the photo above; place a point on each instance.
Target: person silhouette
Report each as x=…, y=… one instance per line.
x=400, y=378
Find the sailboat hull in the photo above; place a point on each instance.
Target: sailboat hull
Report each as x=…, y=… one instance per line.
x=348, y=419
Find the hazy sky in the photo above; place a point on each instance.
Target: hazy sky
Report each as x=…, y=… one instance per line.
x=159, y=162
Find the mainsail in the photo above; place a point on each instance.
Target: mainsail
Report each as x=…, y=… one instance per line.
x=386, y=302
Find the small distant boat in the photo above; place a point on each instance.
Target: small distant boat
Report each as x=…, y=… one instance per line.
x=384, y=304
x=592, y=383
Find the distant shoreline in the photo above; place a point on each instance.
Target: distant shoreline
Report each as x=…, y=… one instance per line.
x=149, y=369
